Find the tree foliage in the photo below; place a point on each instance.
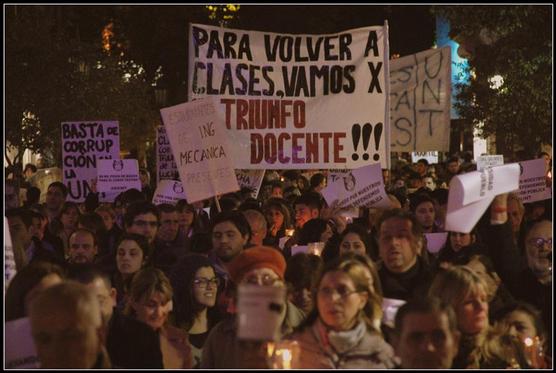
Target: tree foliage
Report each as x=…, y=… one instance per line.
x=57, y=77
x=514, y=42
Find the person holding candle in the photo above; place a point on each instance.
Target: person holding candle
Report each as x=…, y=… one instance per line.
x=343, y=330
x=278, y=217
x=260, y=266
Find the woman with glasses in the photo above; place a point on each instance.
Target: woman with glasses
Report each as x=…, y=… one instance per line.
x=259, y=266
x=195, y=291
x=342, y=331
x=150, y=301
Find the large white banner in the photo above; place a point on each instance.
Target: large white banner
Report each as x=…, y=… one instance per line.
x=83, y=143
x=420, y=90
x=200, y=146
x=296, y=101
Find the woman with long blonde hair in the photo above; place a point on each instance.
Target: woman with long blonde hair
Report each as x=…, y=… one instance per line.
x=460, y=287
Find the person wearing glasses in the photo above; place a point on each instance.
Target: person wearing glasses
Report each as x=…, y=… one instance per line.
x=342, y=332
x=261, y=266
x=196, y=287
x=142, y=218
x=534, y=284
x=150, y=301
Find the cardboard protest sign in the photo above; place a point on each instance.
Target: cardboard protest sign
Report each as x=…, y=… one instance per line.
x=166, y=167
x=168, y=191
x=471, y=194
x=487, y=161
x=258, y=312
x=436, y=241
x=420, y=91
x=199, y=143
x=296, y=101
x=19, y=347
x=390, y=307
x=532, y=181
x=83, y=143
x=431, y=157
x=360, y=187
x=251, y=179
x=9, y=260
x=118, y=175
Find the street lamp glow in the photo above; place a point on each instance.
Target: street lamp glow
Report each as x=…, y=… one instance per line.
x=496, y=82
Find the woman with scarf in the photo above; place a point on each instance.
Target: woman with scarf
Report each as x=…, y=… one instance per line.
x=343, y=331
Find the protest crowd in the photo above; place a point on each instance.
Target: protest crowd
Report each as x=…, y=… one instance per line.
x=285, y=224
x=131, y=284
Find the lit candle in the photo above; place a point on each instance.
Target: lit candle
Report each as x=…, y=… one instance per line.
x=289, y=232
x=286, y=358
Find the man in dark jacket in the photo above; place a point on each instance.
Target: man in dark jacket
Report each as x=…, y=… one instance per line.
x=130, y=343
x=403, y=274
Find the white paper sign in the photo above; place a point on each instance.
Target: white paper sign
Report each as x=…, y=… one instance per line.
x=9, y=260
x=19, y=346
x=296, y=101
x=431, y=157
x=360, y=187
x=470, y=194
x=83, y=144
x=532, y=181
x=436, y=241
x=297, y=249
x=420, y=94
x=259, y=312
x=166, y=168
x=389, y=309
x=487, y=161
x=168, y=191
x=199, y=141
x=118, y=175
x=251, y=179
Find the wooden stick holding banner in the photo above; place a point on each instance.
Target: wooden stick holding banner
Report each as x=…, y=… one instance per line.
x=217, y=204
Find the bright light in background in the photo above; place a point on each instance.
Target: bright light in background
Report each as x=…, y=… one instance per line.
x=496, y=82
x=107, y=33
x=460, y=74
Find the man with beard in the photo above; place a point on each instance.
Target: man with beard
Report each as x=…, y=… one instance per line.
x=82, y=247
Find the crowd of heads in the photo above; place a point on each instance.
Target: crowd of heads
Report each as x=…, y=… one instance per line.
x=177, y=270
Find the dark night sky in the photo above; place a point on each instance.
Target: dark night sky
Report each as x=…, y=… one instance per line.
x=156, y=30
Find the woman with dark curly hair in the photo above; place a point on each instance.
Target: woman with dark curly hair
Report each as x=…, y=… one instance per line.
x=195, y=290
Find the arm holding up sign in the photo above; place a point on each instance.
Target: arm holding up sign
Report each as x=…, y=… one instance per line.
x=499, y=238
